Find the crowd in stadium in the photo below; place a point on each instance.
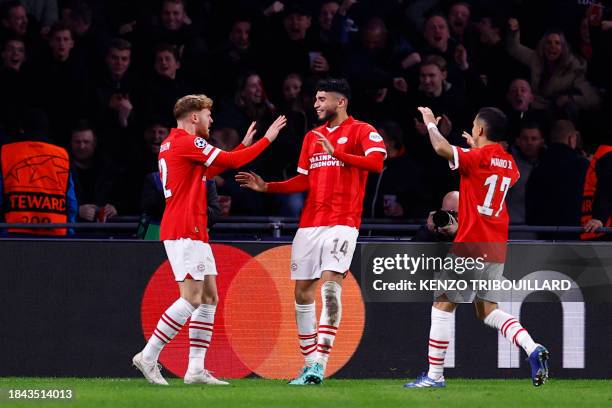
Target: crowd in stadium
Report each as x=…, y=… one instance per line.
x=101, y=78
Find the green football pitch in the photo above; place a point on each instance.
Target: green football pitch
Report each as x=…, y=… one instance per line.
x=244, y=393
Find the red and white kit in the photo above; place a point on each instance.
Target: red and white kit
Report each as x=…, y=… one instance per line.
x=330, y=220
x=185, y=162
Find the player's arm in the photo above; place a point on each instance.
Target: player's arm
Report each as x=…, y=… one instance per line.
x=438, y=142
x=215, y=170
x=235, y=159
x=372, y=161
x=253, y=181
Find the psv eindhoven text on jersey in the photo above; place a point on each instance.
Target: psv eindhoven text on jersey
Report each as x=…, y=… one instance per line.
x=336, y=190
x=487, y=173
x=185, y=161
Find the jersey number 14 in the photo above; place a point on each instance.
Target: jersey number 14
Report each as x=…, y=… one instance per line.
x=491, y=182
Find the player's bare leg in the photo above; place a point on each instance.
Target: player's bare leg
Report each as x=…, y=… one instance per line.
x=201, y=330
x=331, y=315
x=168, y=326
x=439, y=337
x=513, y=331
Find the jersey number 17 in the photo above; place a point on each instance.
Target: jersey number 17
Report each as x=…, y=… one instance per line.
x=491, y=182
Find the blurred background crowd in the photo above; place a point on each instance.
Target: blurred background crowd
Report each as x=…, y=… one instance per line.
x=100, y=78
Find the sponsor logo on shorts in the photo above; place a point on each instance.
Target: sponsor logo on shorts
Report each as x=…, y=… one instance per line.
x=199, y=142
x=294, y=266
x=201, y=267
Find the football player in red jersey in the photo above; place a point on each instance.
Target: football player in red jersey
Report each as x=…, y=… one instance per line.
x=186, y=160
x=487, y=172
x=333, y=167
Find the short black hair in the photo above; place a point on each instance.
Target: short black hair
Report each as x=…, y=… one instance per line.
x=494, y=123
x=339, y=85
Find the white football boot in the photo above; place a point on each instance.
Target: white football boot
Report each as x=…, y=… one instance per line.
x=149, y=370
x=205, y=377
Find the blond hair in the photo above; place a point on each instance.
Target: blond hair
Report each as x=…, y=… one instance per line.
x=191, y=103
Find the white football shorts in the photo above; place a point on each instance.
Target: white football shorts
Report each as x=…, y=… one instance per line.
x=190, y=259
x=318, y=249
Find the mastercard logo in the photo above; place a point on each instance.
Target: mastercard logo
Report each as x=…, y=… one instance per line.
x=255, y=329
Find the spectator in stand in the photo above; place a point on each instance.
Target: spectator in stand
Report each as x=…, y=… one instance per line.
x=557, y=75
x=165, y=86
x=44, y=11
x=519, y=109
x=15, y=22
x=526, y=152
x=295, y=105
x=235, y=56
x=114, y=93
x=95, y=176
x=398, y=191
x=62, y=79
x=553, y=194
x=438, y=42
x=331, y=25
x=302, y=52
x=449, y=102
x=442, y=96
x=494, y=64
x=459, y=16
x=377, y=55
x=176, y=28
x=90, y=40
x=250, y=103
x=15, y=82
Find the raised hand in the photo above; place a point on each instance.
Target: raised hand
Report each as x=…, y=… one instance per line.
x=428, y=116
x=276, y=127
x=251, y=180
x=513, y=25
x=461, y=57
x=248, y=137
x=322, y=140
x=469, y=139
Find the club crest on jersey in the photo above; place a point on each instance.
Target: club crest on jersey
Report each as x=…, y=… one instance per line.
x=375, y=137
x=343, y=140
x=199, y=142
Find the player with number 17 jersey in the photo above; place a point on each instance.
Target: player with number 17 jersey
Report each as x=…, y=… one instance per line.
x=487, y=173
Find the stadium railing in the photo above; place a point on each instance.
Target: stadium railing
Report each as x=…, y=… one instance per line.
x=271, y=227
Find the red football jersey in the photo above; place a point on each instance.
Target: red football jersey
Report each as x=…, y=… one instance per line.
x=487, y=173
x=183, y=162
x=335, y=195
